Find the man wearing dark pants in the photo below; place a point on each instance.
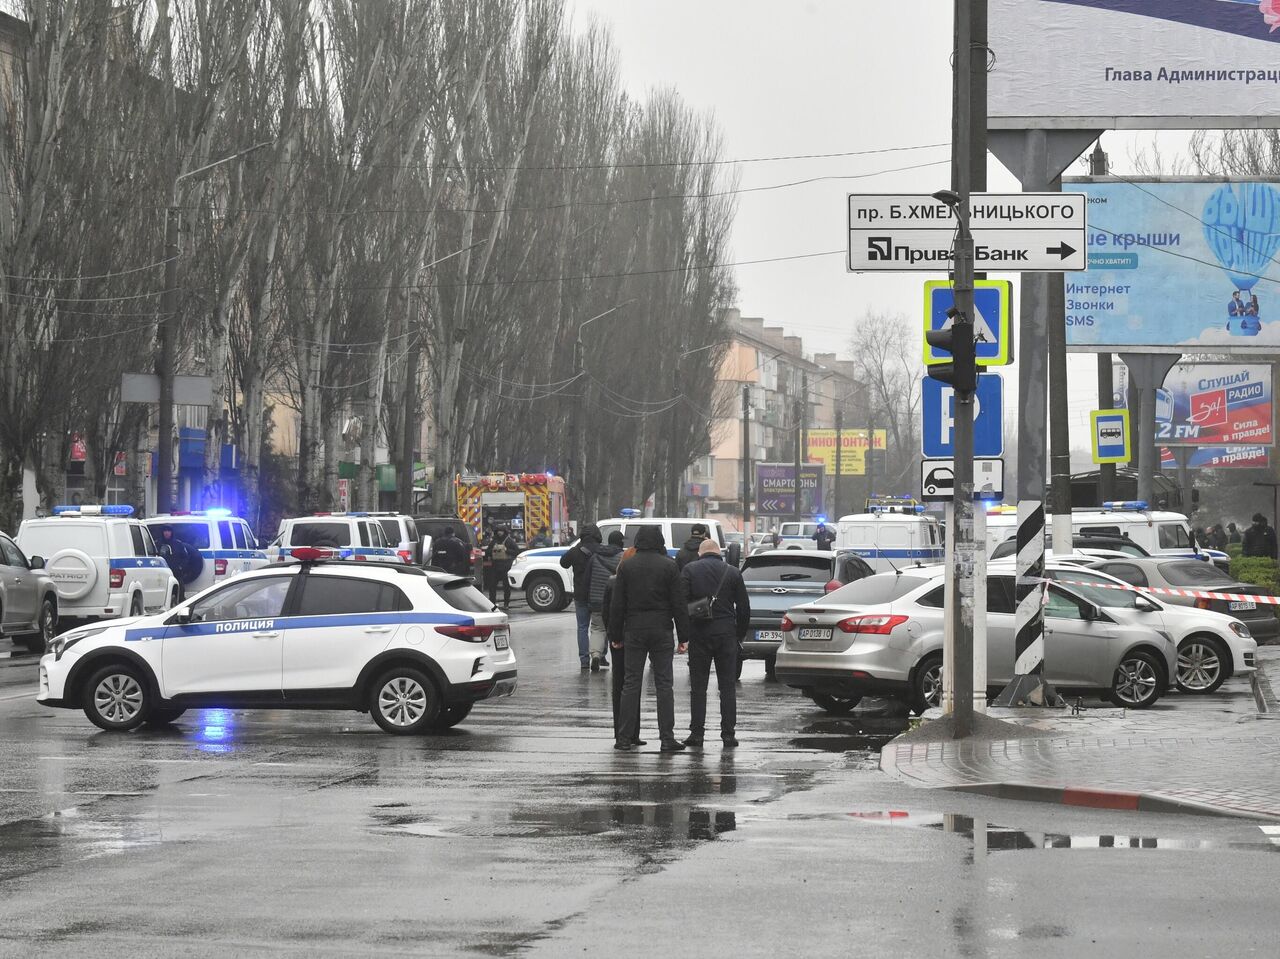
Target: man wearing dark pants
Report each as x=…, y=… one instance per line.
x=578, y=559
x=648, y=597
x=617, y=644
x=715, y=640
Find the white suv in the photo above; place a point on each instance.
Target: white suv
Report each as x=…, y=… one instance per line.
x=102, y=561
x=224, y=544
x=353, y=536
x=415, y=649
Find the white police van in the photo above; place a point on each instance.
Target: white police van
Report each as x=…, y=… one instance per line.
x=891, y=537
x=548, y=587
x=103, y=562
x=351, y=536
x=224, y=545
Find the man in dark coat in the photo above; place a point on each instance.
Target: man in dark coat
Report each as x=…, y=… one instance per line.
x=601, y=567
x=715, y=640
x=619, y=648
x=451, y=554
x=578, y=559
x=648, y=597
x=824, y=535
x=1259, y=539
x=689, y=551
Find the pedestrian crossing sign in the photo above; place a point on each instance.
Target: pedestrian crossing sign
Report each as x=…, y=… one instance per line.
x=992, y=324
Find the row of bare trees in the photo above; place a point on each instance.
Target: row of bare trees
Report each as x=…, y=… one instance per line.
x=425, y=206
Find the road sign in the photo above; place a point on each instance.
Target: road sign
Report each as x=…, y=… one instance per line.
x=937, y=405
x=992, y=329
x=1012, y=232
x=1110, y=430
x=937, y=478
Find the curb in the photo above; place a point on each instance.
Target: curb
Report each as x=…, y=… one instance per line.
x=1103, y=799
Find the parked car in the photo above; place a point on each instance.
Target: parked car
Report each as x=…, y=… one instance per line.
x=356, y=537
x=28, y=598
x=882, y=636
x=777, y=579
x=1157, y=572
x=1212, y=647
x=413, y=649
x=222, y=546
x=403, y=536
x=1102, y=546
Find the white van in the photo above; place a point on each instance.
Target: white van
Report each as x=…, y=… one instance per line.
x=225, y=543
x=103, y=562
x=354, y=536
x=548, y=587
x=798, y=535
x=890, y=540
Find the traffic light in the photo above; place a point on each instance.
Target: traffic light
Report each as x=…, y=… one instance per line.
x=962, y=372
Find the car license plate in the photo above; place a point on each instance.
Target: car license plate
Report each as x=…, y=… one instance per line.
x=1242, y=604
x=768, y=635
x=815, y=632
x=501, y=639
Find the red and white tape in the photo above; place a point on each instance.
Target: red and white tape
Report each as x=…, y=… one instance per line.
x=1264, y=599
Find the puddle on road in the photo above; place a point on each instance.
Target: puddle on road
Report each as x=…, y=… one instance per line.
x=853, y=733
x=1005, y=839
x=65, y=836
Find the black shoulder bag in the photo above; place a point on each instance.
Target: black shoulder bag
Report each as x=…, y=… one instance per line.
x=700, y=609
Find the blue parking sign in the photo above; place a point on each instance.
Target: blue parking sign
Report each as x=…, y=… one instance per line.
x=937, y=406
x=992, y=326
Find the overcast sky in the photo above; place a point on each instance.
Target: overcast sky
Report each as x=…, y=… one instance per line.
x=825, y=76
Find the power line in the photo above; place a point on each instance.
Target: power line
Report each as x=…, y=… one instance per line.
x=75, y=279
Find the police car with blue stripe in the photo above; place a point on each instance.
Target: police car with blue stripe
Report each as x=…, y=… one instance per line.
x=211, y=546
x=357, y=537
x=415, y=649
x=102, y=560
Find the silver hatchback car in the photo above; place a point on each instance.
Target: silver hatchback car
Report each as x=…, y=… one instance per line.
x=882, y=636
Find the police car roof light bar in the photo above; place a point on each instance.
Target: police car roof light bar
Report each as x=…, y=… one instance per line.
x=1125, y=504
x=311, y=554
x=93, y=510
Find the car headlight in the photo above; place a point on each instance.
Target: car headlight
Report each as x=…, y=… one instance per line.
x=61, y=644
x=520, y=559
x=1240, y=629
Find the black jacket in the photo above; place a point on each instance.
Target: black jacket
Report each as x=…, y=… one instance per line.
x=731, y=611
x=648, y=592
x=689, y=551
x=578, y=559
x=451, y=555
x=1259, y=541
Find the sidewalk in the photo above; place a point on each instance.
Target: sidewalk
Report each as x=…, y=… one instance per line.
x=1209, y=754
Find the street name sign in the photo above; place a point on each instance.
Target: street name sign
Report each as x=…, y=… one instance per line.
x=937, y=479
x=1012, y=232
x=938, y=414
x=992, y=329
x=1110, y=430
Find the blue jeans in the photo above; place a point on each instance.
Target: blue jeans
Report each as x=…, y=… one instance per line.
x=582, y=609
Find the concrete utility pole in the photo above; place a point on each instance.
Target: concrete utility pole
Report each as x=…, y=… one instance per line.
x=835, y=489
x=1106, y=386
x=801, y=400
x=746, y=466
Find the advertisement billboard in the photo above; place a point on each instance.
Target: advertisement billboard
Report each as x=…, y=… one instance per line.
x=1211, y=404
x=1218, y=458
x=853, y=450
x=1136, y=64
x=776, y=489
x=1177, y=266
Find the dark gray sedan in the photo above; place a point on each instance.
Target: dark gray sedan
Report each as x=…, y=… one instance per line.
x=28, y=599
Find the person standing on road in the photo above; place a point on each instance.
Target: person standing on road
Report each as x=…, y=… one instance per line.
x=824, y=535
x=714, y=639
x=451, y=554
x=1259, y=539
x=689, y=551
x=648, y=597
x=618, y=646
x=498, y=555
x=602, y=564
x=578, y=559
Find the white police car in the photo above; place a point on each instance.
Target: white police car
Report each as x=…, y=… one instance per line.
x=222, y=546
x=352, y=536
x=103, y=562
x=416, y=649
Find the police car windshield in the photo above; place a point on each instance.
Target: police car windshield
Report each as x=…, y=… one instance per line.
x=193, y=534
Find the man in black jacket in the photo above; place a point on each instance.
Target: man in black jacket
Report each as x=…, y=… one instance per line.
x=715, y=640
x=689, y=551
x=451, y=554
x=648, y=596
x=1259, y=539
x=578, y=559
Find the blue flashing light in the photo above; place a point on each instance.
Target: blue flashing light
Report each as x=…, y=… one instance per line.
x=629, y=512
x=820, y=519
x=1130, y=504
x=919, y=510
x=550, y=472
x=117, y=511
x=65, y=510
x=60, y=510
x=217, y=511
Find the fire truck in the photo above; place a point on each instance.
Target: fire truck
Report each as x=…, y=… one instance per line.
x=526, y=503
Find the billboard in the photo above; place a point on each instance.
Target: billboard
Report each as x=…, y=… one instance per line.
x=1177, y=266
x=1137, y=64
x=1219, y=457
x=776, y=489
x=1211, y=404
x=853, y=450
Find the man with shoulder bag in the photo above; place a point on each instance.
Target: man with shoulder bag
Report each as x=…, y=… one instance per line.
x=719, y=615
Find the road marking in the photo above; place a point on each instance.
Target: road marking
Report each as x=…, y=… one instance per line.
x=6, y=699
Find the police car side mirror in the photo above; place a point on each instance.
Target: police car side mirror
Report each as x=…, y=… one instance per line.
x=183, y=617
x=35, y=562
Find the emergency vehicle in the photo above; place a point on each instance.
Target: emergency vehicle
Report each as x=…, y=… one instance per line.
x=893, y=533
x=224, y=543
x=353, y=536
x=525, y=503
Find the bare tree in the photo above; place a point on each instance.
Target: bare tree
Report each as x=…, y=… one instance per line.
x=886, y=355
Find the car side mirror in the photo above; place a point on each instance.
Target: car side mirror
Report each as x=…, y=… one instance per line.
x=1144, y=605
x=35, y=562
x=183, y=617
x=1090, y=613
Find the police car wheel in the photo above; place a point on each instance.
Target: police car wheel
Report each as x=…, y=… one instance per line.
x=404, y=701
x=116, y=698
x=450, y=716
x=545, y=594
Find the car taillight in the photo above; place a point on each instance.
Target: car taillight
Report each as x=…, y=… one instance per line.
x=359, y=557
x=117, y=578
x=405, y=555
x=468, y=634
x=834, y=584
x=879, y=624
x=219, y=567
x=787, y=626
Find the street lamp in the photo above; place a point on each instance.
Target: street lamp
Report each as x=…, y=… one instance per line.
x=166, y=359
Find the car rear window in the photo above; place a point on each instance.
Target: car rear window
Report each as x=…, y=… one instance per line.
x=874, y=590
x=1008, y=548
x=320, y=534
x=1194, y=572
x=786, y=569
x=193, y=534
x=462, y=594
x=49, y=537
x=391, y=527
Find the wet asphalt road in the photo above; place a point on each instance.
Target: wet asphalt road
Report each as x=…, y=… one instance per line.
x=523, y=833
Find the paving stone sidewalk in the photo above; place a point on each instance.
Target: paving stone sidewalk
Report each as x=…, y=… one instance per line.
x=1213, y=754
